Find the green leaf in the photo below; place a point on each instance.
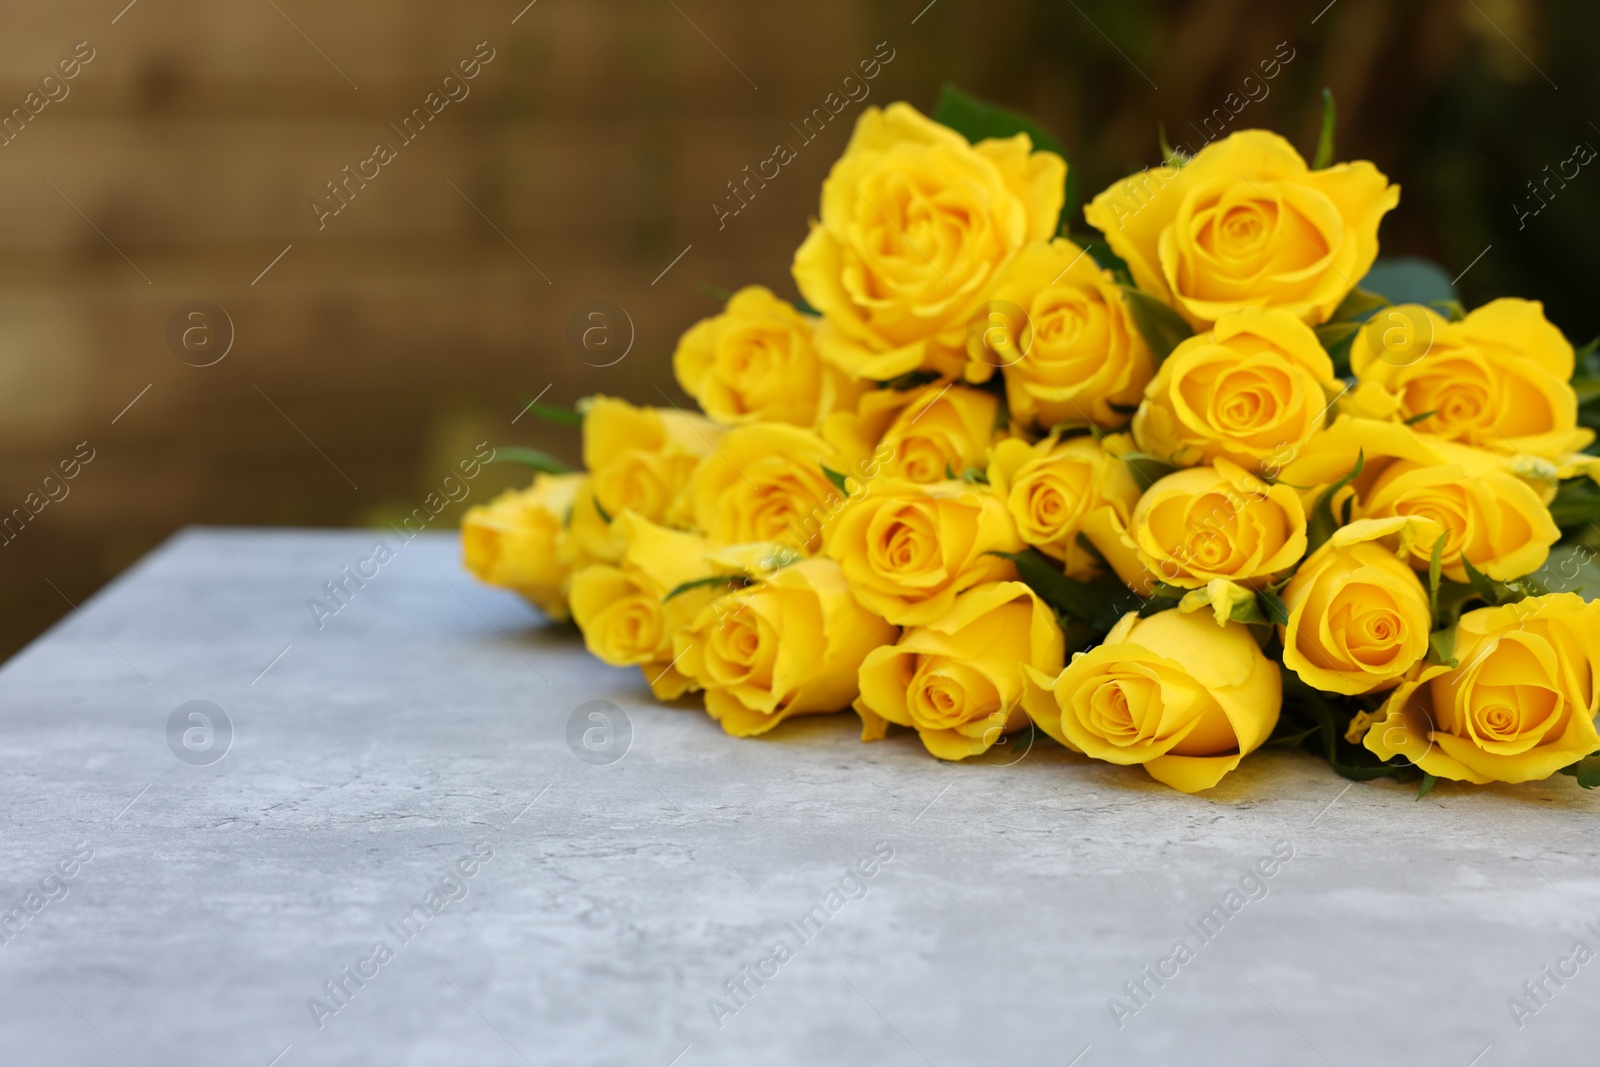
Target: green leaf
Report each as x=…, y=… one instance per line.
x=1067, y=430
x=1339, y=356
x=1290, y=738
x=1427, y=784
x=839, y=481
x=1586, y=771
x=804, y=308
x=1589, y=415
x=1588, y=359
x=1163, y=597
x=1273, y=607
x=1435, y=565
x=1358, y=306
x=911, y=379
x=1147, y=469
x=530, y=457
x=1529, y=585
x=1002, y=410
x=1163, y=329
x=1170, y=156
x=1328, y=719
x=1093, y=552
x=715, y=292
x=1588, y=389
x=554, y=413
x=1493, y=593
x=1324, y=156
x=1322, y=523
x=1423, y=417
x=1577, y=503
x=1409, y=280
x=1333, y=334
x=1076, y=635
x=1488, y=591
x=978, y=120
x=602, y=511
x=1442, y=647
x=1249, y=612
x=1453, y=597
x=1098, y=603
x=975, y=476
x=1572, y=569
x=732, y=581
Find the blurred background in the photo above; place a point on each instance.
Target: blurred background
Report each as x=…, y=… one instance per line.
x=372, y=349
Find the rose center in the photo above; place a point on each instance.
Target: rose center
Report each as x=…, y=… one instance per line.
x=1243, y=228
x=1369, y=626
x=906, y=547
x=946, y=695
x=924, y=461
x=1247, y=401
x=1498, y=721
x=639, y=625
x=1458, y=399
x=1112, y=712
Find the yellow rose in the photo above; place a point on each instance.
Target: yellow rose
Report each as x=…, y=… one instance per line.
x=941, y=432
x=1197, y=525
x=624, y=612
x=1056, y=490
x=1574, y=465
x=640, y=459
x=589, y=537
x=958, y=679
x=513, y=541
x=757, y=361
x=1254, y=390
x=1175, y=692
x=752, y=680
x=1368, y=400
x=1495, y=518
x=933, y=424
x=1058, y=327
x=1498, y=379
x=1332, y=454
x=907, y=549
x=874, y=411
x=916, y=225
x=766, y=482
x=1359, y=617
x=1246, y=223
x=1519, y=707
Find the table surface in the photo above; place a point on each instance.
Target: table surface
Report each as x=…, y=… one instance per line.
x=632, y=911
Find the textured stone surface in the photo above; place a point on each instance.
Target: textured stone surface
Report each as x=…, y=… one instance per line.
x=424, y=718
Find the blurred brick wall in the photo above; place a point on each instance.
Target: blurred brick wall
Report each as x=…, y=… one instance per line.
x=410, y=327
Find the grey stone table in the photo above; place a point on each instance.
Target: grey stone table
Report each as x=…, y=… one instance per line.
x=401, y=859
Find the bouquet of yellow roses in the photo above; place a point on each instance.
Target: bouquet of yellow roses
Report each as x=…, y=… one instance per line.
x=1166, y=492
